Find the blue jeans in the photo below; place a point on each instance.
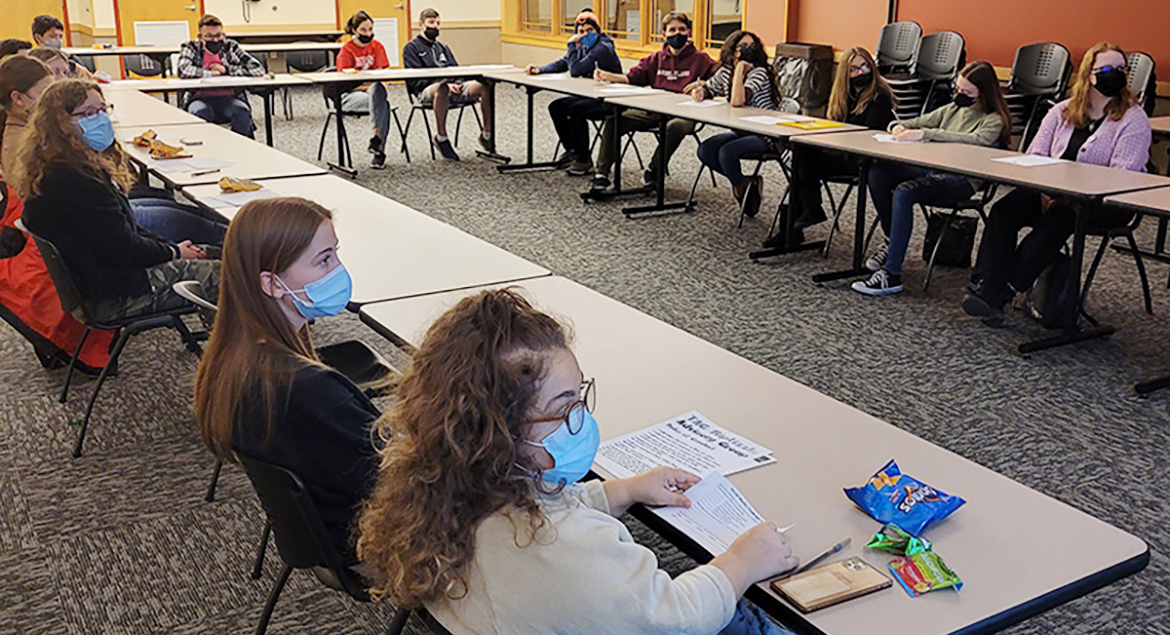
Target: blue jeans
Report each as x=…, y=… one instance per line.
x=224, y=109
x=722, y=153
x=177, y=222
x=374, y=101
x=750, y=620
x=896, y=189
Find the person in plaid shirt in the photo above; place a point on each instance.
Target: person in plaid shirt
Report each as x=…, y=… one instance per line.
x=211, y=55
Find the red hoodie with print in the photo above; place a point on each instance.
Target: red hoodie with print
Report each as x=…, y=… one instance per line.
x=666, y=71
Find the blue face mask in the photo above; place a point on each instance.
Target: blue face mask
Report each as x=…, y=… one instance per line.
x=98, y=131
x=589, y=39
x=327, y=296
x=573, y=453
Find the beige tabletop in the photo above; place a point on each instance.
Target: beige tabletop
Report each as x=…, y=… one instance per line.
x=174, y=84
x=249, y=159
x=719, y=113
x=1066, y=177
x=1010, y=544
x=1155, y=201
x=1160, y=125
x=563, y=83
x=395, y=74
x=257, y=47
x=391, y=250
x=133, y=108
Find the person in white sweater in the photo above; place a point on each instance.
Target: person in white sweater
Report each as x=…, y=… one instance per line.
x=477, y=514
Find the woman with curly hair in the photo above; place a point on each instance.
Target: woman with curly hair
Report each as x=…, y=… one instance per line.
x=477, y=514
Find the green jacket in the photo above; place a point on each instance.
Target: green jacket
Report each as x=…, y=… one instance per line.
x=953, y=124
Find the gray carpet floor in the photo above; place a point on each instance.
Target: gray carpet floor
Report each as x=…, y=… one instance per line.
x=120, y=541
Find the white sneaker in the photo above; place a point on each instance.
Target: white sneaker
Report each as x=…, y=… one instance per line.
x=881, y=282
x=878, y=260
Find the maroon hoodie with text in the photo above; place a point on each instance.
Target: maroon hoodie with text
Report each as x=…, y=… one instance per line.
x=666, y=71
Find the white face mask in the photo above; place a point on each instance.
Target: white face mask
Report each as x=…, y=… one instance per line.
x=53, y=44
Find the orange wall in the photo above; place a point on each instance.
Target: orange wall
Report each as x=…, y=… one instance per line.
x=994, y=29
x=766, y=18
x=840, y=23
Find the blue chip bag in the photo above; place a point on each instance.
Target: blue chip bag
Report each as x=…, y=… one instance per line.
x=892, y=497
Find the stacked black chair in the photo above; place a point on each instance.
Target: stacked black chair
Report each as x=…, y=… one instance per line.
x=1141, y=78
x=1040, y=74
x=940, y=58
x=897, y=50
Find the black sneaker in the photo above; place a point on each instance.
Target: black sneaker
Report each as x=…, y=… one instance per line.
x=751, y=200
x=485, y=141
x=649, y=178
x=878, y=259
x=776, y=241
x=599, y=182
x=379, y=162
x=975, y=306
x=579, y=167
x=810, y=217
x=445, y=149
x=881, y=282
x=565, y=160
x=376, y=145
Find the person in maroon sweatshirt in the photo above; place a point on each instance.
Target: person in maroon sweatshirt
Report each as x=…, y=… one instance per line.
x=675, y=67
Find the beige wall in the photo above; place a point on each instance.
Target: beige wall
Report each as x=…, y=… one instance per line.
x=103, y=16
x=275, y=12
x=459, y=10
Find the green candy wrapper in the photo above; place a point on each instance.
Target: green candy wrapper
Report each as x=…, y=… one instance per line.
x=892, y=539
x=924, y=572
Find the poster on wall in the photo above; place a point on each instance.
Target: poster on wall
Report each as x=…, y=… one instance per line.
x=386, y=31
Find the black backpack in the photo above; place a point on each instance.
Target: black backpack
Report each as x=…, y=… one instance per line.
x=1048, y=298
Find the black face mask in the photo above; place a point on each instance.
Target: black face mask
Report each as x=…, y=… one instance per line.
x=963, y=100
x=1110, y=82
x=431, y=33
x=753, y=55
x=365, y=39
x=215, y=48
x=677, y=41
x=857, y=83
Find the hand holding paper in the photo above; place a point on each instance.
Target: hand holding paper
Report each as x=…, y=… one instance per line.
x=660, y=486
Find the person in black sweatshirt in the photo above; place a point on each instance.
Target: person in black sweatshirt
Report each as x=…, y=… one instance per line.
x=588, y=50
x=73, y=177
x=426, y=51
x=860, y=96
x=261, y=389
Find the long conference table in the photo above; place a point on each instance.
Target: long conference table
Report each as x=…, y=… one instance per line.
x=1018, y=551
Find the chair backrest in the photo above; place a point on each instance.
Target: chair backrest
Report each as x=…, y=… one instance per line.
x=307, y=61
x=86, y=61
x=142, y=66
x=1040, y=69
x=192, y=291
x=301, y=538
x=941, y=55
x=1140, y=78
x=898, y=46
x=58, y=271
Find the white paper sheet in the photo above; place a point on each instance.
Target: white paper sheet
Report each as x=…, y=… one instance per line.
x=1029, y=160
x=718, y=514
x=193, y=164
x=882, y=137
x=689, y=442
x=492, y=67
x=237, y=199
x=702, y=104
x=625, y=90
x=553, y=77
x=184, y=82
x=766, y=120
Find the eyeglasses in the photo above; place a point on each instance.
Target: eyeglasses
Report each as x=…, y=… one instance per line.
x=89, y=113
x=1106, y=69
x=571, y=416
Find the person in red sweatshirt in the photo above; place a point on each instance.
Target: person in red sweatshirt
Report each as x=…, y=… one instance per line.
x=674, y=68
x=364, y=53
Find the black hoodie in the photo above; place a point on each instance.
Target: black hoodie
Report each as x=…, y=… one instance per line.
x=423, y=53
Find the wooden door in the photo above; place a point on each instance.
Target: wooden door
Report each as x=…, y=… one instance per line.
x=127, y=12
x=19, y=14
x=381, y=10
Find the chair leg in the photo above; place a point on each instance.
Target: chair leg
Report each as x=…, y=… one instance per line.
x=430, y=137
x=1141, y=267
x=694, y=186
x=324, y=132
x=743, y=202
x=869, y=235
x=398, y=622
x=270, y=604
x=458, y=125
x=1092, y=274
x=123, y=337
x=837, y=211
x=261, y=549
x=937, y=245
x=401, y=133
x=186, y=336
x=73, y=364
x=210, y=495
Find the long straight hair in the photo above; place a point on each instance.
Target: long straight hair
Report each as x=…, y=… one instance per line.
x=18, y=74
x=53, y=138
x=1077, y=112
x=839, y=97
x=991, y=99
x=254, y=349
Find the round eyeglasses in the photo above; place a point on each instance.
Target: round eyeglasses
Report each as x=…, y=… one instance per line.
x=573, y=415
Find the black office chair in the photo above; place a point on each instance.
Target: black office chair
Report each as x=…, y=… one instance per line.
x=1141, y=77
x=977, y=203
x=301, y=538
x=1040, y=74
x=939, y=60
x=327, y=91
x=72, y=301
x=419, y=107
x=86, y=61
x=301, y=62
x=897, y=49
x=143, y=66
x=1107, y=236
x=838, y=206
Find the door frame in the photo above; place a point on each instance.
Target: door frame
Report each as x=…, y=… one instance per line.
x=118, y=18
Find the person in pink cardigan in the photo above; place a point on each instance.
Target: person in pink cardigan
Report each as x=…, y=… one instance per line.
x=1098, y=124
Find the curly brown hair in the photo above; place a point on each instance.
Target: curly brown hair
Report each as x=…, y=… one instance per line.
x=452, y=454
x=53, y=138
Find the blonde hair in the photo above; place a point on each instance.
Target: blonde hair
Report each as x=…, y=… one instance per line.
x=52, y=138
x=839, y=97
x=1077, y=112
